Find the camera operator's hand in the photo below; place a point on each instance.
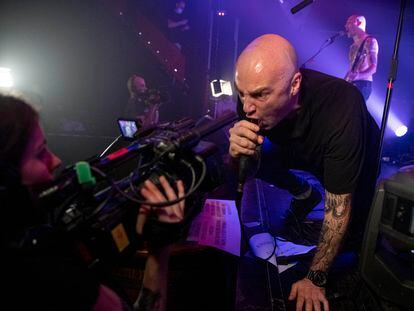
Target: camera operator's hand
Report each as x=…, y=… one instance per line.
x=244, y=138
x=170, y=214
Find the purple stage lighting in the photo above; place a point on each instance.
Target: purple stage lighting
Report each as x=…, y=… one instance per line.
x=394, y=123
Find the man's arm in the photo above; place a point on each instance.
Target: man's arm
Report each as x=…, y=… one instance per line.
x=335, y=223
x=372, y=58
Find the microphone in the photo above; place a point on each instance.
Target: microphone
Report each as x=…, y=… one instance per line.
x=336, y=35
x=300, y=6
x=246, y=166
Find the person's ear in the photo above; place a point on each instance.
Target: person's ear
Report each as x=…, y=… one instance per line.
x=295, y=84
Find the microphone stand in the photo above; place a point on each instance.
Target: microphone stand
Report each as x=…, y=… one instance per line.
x=244, y=241
x=324, y=45
x=391, y=78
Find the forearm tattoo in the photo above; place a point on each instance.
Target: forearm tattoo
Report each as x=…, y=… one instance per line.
x=337, y=204
x=336, y=219
x=147, y=300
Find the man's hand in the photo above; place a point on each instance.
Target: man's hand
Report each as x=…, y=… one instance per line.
x=309, y=295
x=171, y=214
x=244, y=138
x=350, y=76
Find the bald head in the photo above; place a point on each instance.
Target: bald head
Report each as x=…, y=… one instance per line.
x=268, y=54
x=359, y=21
x=268, y=80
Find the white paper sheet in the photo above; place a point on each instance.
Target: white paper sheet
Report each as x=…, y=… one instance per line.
x=287, y=248
x=263, y=244
x=218, y=226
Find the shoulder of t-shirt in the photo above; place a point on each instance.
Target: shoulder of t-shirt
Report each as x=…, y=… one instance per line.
x=333, y=97
x=325, y=85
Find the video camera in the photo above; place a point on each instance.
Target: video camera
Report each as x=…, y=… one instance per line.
x=97, y=200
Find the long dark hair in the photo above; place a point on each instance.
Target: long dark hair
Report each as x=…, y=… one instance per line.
x=17, y=120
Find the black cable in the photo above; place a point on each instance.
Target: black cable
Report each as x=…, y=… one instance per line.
x=164, y=204
x=157, y=158
x=193, y=174
x=132, y=176
x=324, y=45
x=273, y=252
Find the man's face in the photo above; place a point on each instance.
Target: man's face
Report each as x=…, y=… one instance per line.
x=139, y=85
x=266, y=97
x=351, y=26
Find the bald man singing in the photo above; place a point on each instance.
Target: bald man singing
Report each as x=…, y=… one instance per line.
x=309, y=121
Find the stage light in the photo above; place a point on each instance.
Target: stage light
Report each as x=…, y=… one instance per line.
x=221, y=13
x=401, y=131
x=376, y=106
x=221, y=87
x=6, y=79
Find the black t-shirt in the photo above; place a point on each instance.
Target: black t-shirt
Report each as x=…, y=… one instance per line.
x=335, y=138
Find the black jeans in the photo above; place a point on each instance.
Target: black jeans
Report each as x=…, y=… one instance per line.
x=364, y=86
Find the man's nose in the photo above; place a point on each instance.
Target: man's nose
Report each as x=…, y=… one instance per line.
x=248, y=105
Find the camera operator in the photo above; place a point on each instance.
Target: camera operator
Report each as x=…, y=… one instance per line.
x=143, y=103
x=40, y=267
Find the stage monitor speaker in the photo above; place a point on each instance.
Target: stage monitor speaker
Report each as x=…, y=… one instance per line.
x=387, y=262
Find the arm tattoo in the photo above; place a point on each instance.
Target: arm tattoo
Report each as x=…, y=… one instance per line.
x=336, y=219
x=338, y=204
x=147, y=300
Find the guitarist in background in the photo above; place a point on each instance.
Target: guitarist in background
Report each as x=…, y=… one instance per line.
x=363, y=55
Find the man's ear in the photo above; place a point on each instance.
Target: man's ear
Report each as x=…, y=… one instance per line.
x=295, y=84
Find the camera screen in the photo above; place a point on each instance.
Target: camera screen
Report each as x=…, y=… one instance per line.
x=128, y=128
